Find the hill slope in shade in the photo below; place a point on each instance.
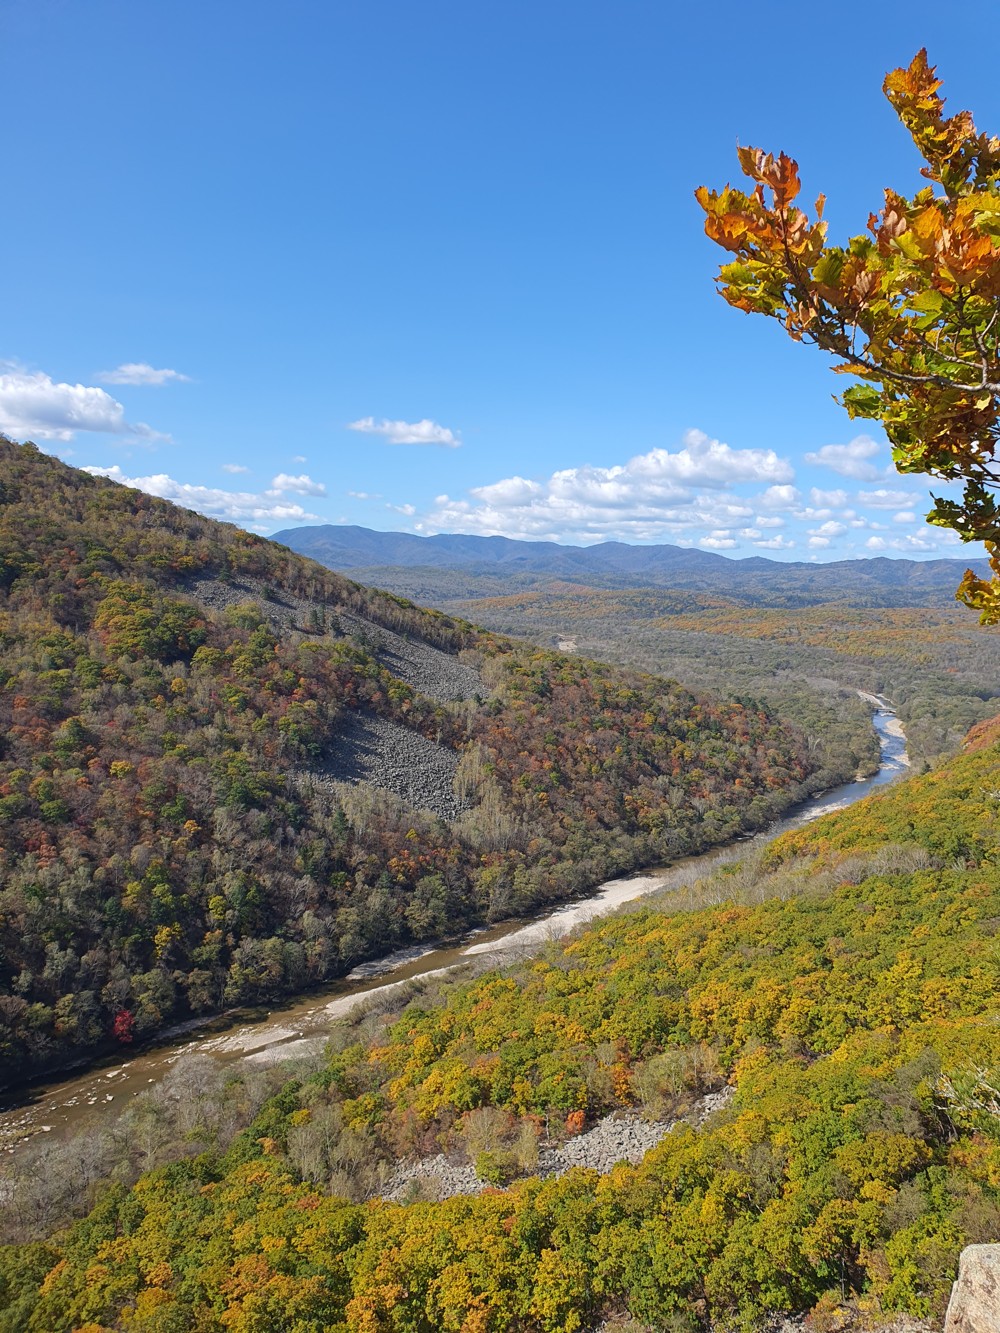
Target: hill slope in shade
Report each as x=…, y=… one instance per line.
x=842, y=985
x=184, y=710
x=876, y=582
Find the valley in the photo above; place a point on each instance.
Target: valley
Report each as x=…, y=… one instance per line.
x=577, y=911
x=187, y=710
x=81, y=1105
x=839, y=980
x=803, y=637
x=243, y=798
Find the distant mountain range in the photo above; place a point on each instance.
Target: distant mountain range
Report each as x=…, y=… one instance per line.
x=372, y=557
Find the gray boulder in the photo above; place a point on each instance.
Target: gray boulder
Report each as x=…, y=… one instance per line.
x=975, y=1298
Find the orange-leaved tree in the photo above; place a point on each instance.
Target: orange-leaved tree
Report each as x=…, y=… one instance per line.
x=912, y=308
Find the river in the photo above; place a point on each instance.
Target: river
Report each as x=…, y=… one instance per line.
x=71, y=1102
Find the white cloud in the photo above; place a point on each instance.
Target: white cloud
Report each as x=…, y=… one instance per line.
x=302, y=485
x=850, y=460
x=234, y=467
x=926, y=540
x=827, y=499
x=885, y=499
x=365, y=495
x=780, y=497
x=831, y=529
x=904, y=516
x=718, y=541
x=33, y=406
x=239, y=506
x=706, y=462
x=819, y=542
x=652, y=497
x=931, y=539
x=769, y=521
x=140, y=372
x=300, y=458
x=408, y=510
x=514, y=491
x=775, y=544
x=408, y=432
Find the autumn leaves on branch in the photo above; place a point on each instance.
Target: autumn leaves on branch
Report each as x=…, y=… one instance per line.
x=912, y=308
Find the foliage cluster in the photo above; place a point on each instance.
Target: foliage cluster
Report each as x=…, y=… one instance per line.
x=848, y=992
x=910, y=307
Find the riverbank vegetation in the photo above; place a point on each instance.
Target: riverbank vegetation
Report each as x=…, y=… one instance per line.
x=843, y=982
x=173, y=839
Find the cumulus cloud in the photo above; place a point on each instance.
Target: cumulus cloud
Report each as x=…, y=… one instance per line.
x=234, y=467
x=918, y=543
x=238, y=506
x=775, y=544
x=302, y=485
x=718, y=541
x=658, y=495
x=904, y=516
x=707, y=462
x=850, y=460
x=140, y=372
x=408, y=510
x=780, y=497
x=827, y=499
x=885, y=499
x=831, y=529
x=408, y=432
x=34, y=406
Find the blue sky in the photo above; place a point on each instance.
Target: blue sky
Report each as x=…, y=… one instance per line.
x=438, y=267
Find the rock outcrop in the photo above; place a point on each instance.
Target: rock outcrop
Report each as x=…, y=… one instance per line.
x=975, y=1298
x=615, y=1138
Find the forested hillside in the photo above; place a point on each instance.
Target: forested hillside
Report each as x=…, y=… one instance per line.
x=184, y=707
x=843, y=984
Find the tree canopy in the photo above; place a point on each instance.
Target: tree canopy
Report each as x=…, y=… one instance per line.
x=912, y=307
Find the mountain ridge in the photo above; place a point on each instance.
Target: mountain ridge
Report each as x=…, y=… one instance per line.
x=349, y=546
